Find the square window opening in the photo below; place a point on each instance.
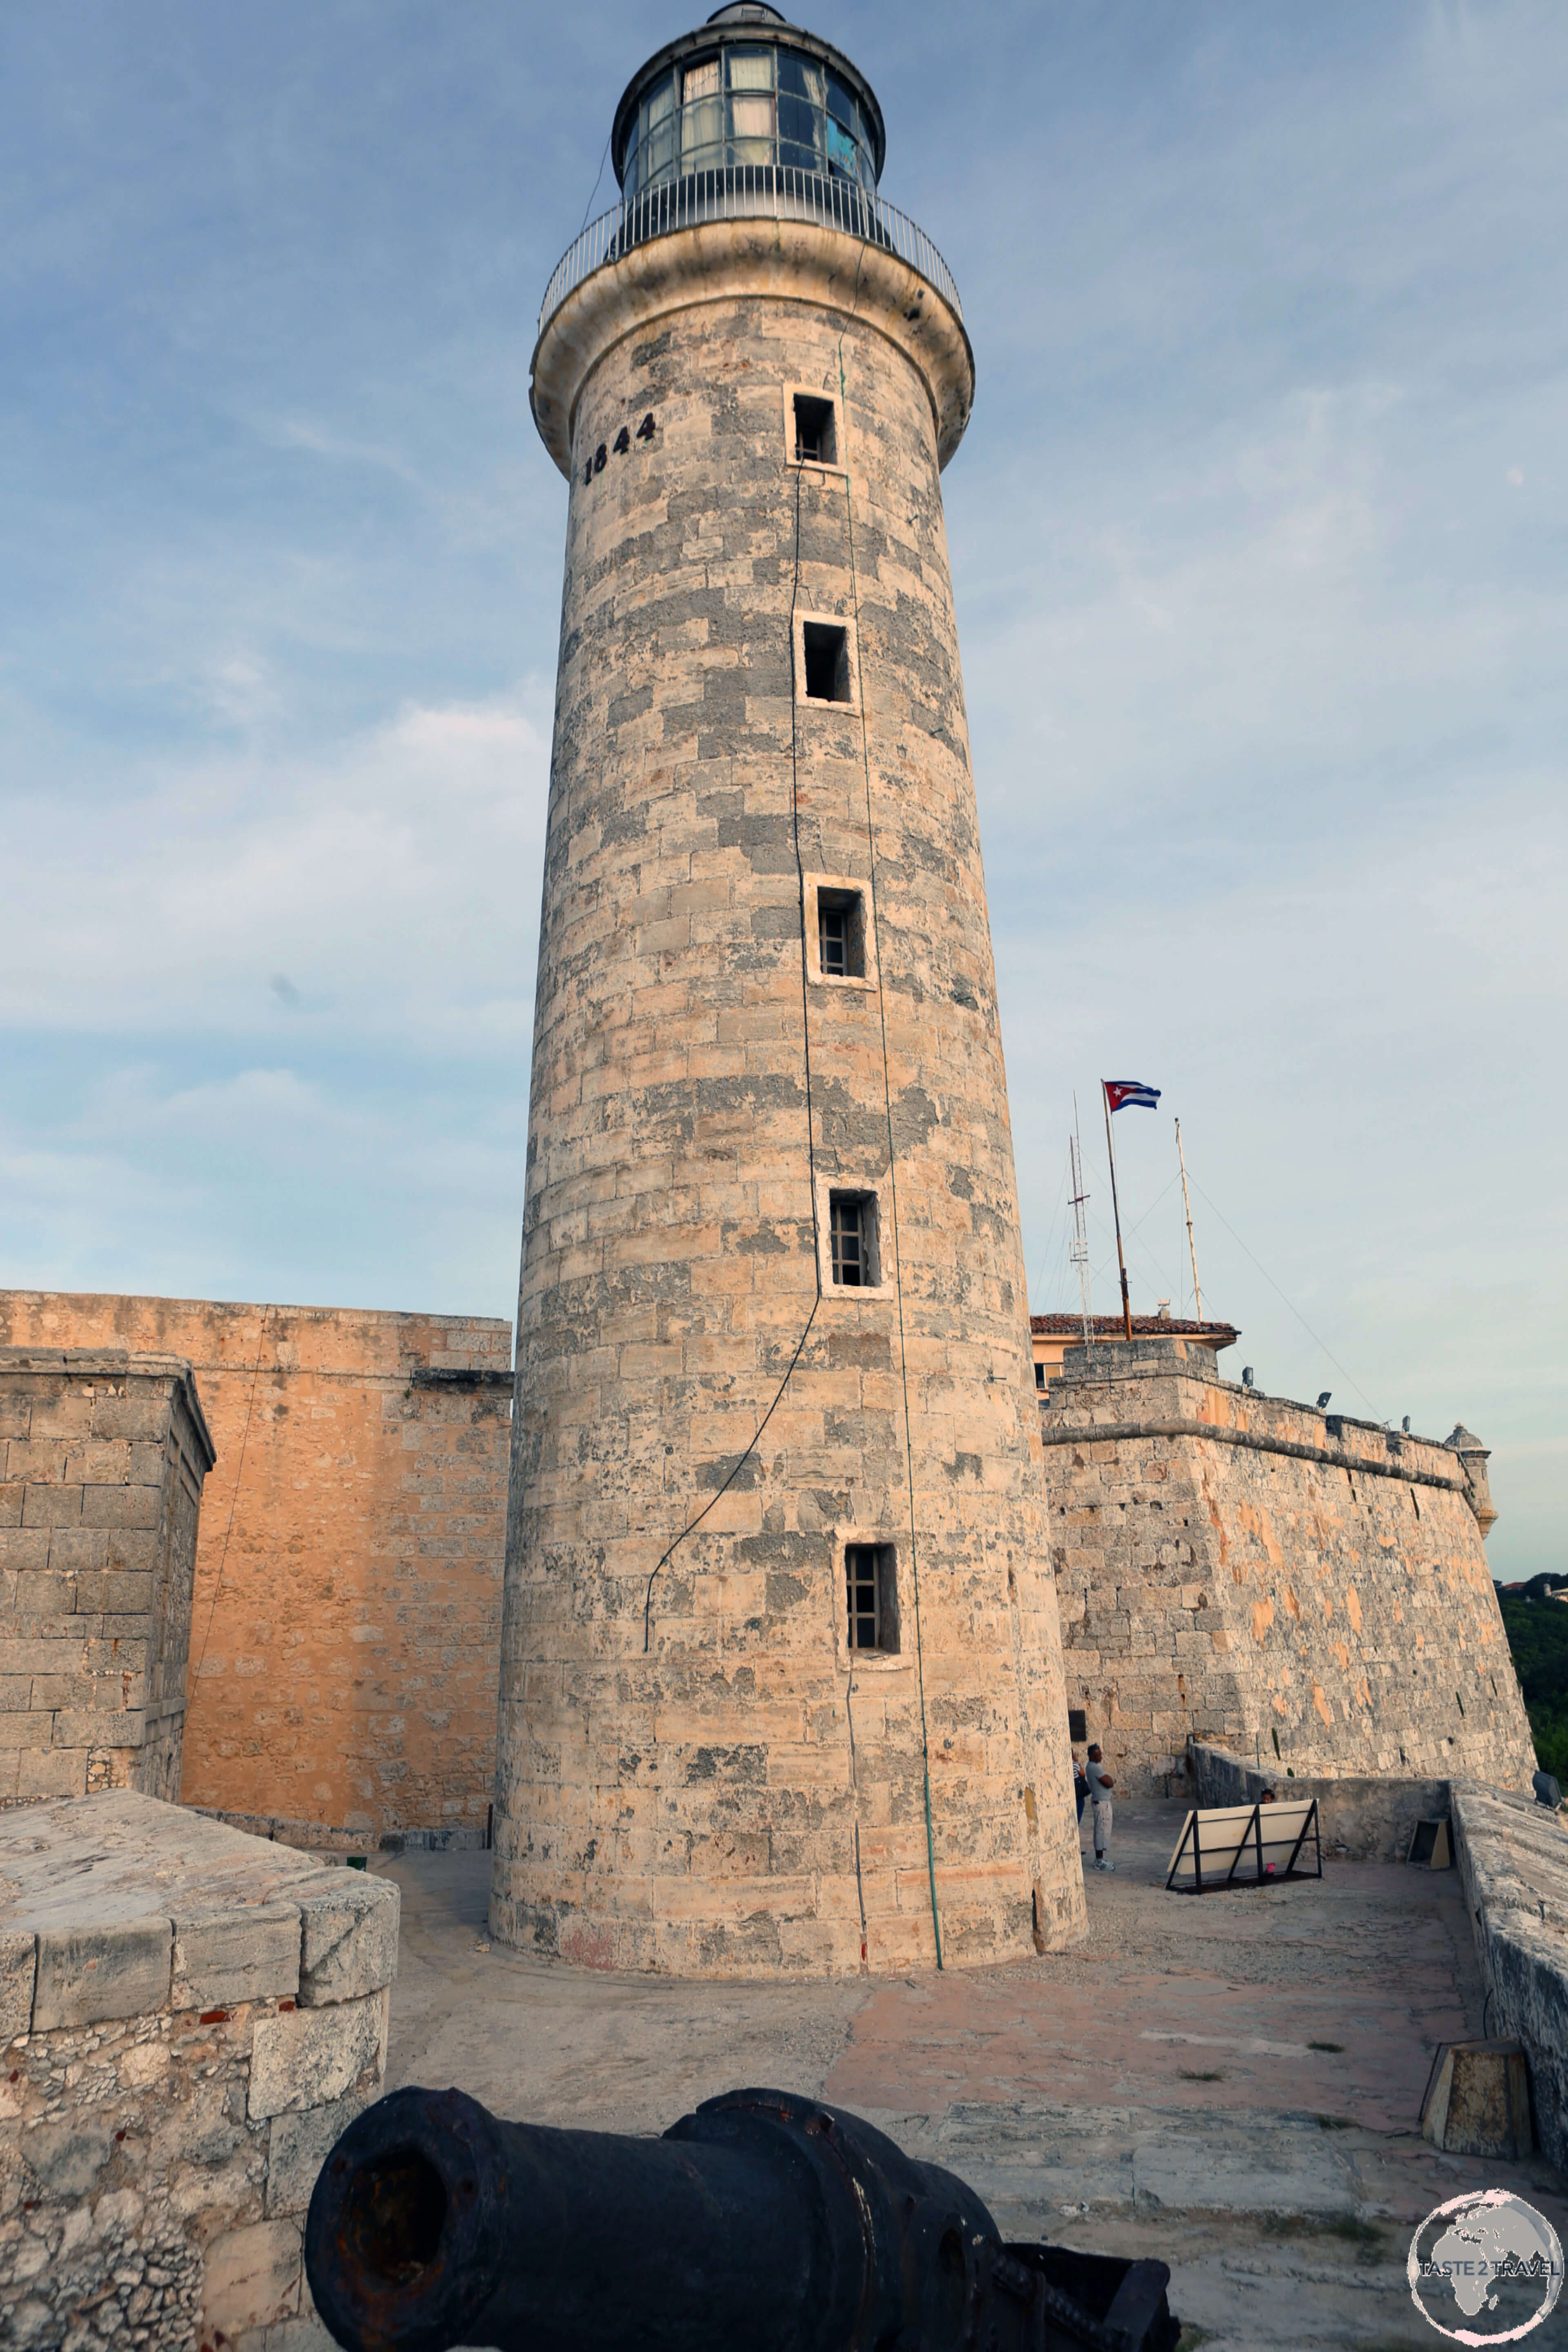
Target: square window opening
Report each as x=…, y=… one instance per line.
x=841, y=934
x=1039, y=1376
x=872, y=1595
x=826, y=662
x=1078, y=1725
x=852, y=1237
x=815, y=435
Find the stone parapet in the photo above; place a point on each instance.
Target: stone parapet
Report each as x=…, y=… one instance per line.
x=1288, y=1583
x=1513, y=1855
x=190, y=2018
x=103, y=1457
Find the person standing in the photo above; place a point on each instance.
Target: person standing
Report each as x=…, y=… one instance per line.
x=1100, y=1785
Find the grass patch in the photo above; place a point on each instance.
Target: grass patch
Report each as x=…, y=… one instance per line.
x=1190, y=2337
x=1333, y=2123
x=1186, y=2075
x=1365, y=2236
x=1336, y=2047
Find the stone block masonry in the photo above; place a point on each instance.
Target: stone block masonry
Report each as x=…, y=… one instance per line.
x=1309, y=1592
x=103, y=1454
x=346, y=1616
x=189, y=2017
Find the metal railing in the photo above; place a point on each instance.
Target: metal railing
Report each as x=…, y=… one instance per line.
x=746, y=192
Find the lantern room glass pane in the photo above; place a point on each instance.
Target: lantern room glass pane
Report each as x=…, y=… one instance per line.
x=751, y=118
x=843, y=155
x=750, y=68
x=801, y=77
x=722, y=112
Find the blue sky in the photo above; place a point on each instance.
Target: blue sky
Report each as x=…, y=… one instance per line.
x=1257, y=536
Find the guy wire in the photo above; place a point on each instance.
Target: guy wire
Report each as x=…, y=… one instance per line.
x=810, y=1143
x=892, y=1167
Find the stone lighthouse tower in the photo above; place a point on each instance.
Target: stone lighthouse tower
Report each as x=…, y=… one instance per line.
x=781, y=1682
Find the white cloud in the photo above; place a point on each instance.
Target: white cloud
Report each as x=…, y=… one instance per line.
x=392, y=882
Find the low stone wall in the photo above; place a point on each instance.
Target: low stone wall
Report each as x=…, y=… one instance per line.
x=1359, y=1819
x=1514, y=1859
x=189, y=2017
x=318, y=1837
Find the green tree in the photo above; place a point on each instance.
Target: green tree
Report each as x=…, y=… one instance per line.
x=1537, y=1632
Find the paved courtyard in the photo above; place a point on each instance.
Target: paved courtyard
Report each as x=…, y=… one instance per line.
x=1230, y=2082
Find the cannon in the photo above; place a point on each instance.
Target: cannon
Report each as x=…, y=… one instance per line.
x=762, y=2222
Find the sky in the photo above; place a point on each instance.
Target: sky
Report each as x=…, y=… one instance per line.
x=1257, y=537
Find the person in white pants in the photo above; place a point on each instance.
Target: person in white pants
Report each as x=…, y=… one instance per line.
x=1100, y=1785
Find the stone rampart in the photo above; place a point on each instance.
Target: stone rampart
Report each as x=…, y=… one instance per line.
x=345, y=1651
x=102, y=1458
x=189, y=2017
x=1285, y=1584
x=1513, y=1855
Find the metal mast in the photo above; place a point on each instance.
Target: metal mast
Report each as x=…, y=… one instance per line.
x=1192, y=1245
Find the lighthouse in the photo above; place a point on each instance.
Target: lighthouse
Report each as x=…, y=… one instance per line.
x=782, y=1680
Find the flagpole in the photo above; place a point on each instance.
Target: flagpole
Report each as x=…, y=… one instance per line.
x=1192, y=1245
x=1116, y=1213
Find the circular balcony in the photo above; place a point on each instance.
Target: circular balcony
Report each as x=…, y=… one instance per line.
x=743, y=192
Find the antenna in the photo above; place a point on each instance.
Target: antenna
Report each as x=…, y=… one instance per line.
x=1080, y=1230
x=1192, y=1245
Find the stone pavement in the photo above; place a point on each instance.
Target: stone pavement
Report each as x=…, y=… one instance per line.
x=1230, y=2082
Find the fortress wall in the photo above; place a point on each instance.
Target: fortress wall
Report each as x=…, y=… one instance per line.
x=1294, y=1586
x=346, y=1625
x=102, y=1457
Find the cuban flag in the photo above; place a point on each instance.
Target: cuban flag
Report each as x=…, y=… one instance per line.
x=1124, y=1093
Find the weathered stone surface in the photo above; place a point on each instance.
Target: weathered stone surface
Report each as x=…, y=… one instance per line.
x=1308, y=1591
x=236, y=1954
x=253, y=2277
x=349, y=1929
x=95, y=1679
x=117, y=1969
x=1513, y=1855
x=348, y=1666
x=127, y=2144
x=18, y=1966
x=309, y=2057
x=297, y=2149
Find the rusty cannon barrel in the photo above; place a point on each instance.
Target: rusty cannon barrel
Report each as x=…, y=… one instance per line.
x=762, y=2220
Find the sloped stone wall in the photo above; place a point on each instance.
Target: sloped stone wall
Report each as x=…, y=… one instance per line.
x=1309, y=1592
